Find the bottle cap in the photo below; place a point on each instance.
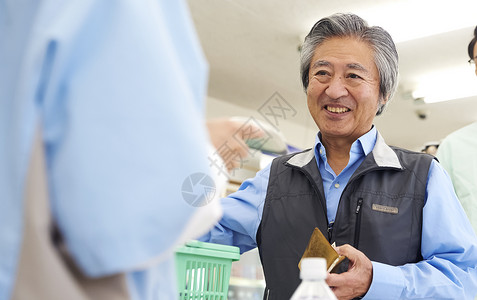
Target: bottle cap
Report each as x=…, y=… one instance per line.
x=313, y=268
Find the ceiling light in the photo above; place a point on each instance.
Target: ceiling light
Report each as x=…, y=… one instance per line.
x=445, y=85
x=407, y=20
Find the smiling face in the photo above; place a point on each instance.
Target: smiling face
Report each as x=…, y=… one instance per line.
x=343, y=90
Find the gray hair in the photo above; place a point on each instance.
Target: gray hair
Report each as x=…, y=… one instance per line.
x=350, y=25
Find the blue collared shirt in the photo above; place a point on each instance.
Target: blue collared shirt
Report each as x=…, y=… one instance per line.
x=118, y=89
x=334, y=184
x=449, y=245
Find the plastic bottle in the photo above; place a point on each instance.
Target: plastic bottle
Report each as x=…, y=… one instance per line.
x=313, y=286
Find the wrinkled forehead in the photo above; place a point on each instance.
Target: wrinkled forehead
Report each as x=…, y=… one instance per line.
x=349, y=44
x=350, y=51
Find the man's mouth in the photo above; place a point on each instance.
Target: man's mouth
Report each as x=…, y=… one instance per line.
x=337, y=110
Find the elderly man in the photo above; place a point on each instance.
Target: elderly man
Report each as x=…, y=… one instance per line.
x=392, y=212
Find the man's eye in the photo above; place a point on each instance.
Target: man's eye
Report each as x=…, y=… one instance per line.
x=354, y=76
x=321, y=73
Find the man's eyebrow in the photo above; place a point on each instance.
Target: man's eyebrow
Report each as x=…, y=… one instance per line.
x=356, y=66
x=320, y=63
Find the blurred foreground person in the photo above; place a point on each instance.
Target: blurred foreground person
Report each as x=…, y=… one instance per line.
x=101, y=122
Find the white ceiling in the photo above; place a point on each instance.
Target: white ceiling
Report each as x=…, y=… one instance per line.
x=252, y=46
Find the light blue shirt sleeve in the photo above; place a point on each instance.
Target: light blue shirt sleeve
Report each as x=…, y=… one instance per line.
x=118, y=89
x=119, y=120
x=242, y=214
x=448, y=249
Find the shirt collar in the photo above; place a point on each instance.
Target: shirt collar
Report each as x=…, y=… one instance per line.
x=372, y=140
x=363, y=144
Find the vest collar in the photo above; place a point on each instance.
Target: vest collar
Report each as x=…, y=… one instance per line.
x=301, y=159
x=383, y=155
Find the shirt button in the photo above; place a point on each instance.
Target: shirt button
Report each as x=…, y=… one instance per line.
x=321, y=151
x=337, y=185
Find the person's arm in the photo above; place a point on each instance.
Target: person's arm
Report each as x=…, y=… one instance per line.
x=122, y=108
x=242, y=214
x=449, y=249
x=444, y=155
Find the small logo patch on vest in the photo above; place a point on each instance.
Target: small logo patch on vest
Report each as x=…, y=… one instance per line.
x=385, y=209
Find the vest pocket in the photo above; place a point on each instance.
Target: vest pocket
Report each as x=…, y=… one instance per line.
x=387, y=228
x=357, y=227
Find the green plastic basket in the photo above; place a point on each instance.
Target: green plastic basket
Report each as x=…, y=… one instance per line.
x=203, y=270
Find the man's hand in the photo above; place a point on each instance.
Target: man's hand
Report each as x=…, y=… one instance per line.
x=357, y=280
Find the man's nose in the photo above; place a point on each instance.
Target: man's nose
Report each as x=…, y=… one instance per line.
x=336, y=88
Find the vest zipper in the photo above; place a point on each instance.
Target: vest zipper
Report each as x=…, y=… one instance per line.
x=330, y=230
x=358, y=222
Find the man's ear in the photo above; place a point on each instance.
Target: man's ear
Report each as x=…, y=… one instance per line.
x=381, y=103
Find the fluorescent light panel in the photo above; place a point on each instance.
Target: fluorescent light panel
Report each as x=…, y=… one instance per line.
x=448, y=84
x=411, y=19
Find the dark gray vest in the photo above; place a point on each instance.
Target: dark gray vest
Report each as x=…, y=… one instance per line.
x=379, y=213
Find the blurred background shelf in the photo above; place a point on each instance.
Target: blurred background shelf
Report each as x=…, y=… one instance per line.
x=246, y=280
